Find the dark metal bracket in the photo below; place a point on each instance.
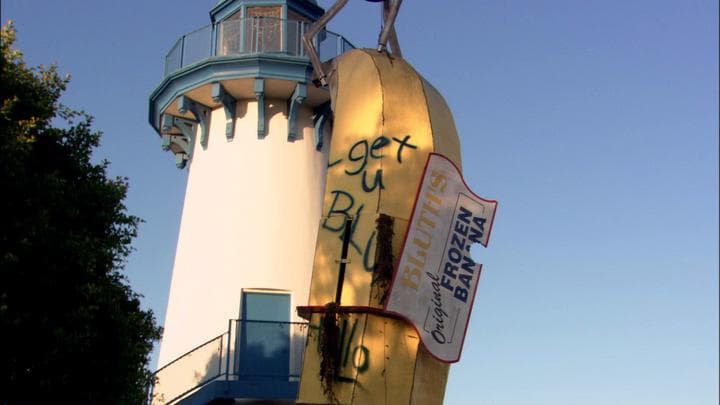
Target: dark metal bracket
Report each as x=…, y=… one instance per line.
x=220, y=95
x=200, y=112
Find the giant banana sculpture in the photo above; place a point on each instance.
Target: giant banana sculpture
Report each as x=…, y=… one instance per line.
x=387, y=120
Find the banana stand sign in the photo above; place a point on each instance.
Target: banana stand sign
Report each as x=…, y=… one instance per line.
x=435, y=282
x=393, y=282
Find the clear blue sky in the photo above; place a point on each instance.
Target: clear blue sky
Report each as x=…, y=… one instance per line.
x=594, y=123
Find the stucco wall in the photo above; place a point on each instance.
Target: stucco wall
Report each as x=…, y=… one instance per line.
x=250, y=219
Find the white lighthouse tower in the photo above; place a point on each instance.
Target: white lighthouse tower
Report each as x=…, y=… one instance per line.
x=238, y=110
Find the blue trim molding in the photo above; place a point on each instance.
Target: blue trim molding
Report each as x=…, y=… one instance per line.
x=179, y=133
x=224, y=9
x=200, y=112
x=227, y=8
x=260, y=96
x=243, y=29
x=216, y=69
x=298, y=97
x=321, y=115
x=185, y=142
x=219, y=95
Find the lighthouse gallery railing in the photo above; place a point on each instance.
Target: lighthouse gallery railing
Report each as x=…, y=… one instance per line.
x=247, y=351
x=248, y=36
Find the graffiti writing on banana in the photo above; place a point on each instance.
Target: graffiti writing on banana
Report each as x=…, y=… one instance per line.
x=358, y=165
x=350, y=354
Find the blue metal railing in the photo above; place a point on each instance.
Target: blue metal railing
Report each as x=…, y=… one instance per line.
x=247, y=351
x=252, y=35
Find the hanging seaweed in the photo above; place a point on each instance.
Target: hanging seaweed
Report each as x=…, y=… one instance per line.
x=383, y=270
x=329, y=346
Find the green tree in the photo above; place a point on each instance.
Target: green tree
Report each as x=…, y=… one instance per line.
x=72, y=329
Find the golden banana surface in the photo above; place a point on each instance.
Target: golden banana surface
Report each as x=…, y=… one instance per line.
x=387, y=119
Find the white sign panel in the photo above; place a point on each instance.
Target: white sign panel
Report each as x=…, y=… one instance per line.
x=434, y=284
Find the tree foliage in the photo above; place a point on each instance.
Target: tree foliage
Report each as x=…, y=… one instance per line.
x=72, y=328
